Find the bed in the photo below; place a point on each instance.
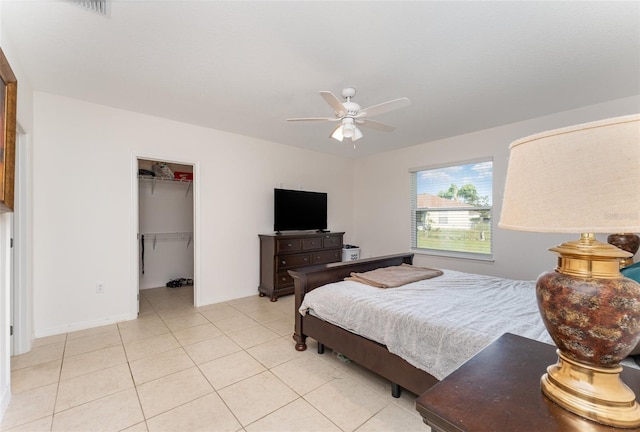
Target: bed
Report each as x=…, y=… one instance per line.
x=456, y=331
x=367, y=353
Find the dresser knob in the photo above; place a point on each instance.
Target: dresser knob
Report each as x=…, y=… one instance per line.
x=284, y=279
x=284, y=262
x=306, y=259
x=289, y=244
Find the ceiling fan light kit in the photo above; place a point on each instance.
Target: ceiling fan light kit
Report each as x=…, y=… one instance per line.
x=347, y=129
x=350, y=115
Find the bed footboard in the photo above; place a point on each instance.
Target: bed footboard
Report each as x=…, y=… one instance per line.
x=309, y=278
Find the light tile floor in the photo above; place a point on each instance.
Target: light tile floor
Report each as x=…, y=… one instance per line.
x=224, y=367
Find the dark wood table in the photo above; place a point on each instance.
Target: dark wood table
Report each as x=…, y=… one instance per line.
x=498, y=390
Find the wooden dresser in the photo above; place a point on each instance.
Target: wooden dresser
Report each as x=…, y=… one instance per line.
x=282, y=252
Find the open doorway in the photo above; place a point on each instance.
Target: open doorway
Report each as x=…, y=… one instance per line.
x=165, y=235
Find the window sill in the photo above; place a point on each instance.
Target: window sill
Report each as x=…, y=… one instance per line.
x=456, y=255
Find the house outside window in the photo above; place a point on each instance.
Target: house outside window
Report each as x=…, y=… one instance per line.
x=452, y=210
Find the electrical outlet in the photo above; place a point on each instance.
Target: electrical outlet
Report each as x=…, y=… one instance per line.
x=100, y=287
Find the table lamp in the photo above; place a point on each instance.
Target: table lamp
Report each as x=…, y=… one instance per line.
x=583, y=179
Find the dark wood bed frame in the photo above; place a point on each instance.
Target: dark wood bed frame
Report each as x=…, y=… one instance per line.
x=367, y=353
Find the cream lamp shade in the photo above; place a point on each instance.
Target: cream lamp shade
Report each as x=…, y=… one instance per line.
x=579, y=179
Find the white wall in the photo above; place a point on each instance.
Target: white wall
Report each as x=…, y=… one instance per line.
x=84, y=182
x=23, y=280
x=382, y=194
x=165, y=207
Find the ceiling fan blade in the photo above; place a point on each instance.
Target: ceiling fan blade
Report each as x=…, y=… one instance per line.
x=334, y=103
x=386, y=107
x=371, y=124
x=314, y=119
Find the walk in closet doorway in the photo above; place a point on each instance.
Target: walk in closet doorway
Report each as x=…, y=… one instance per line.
x=165, y=224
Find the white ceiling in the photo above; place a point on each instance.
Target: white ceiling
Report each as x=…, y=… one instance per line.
x=246, y=66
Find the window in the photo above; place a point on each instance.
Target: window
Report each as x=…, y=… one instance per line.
x=451, y=211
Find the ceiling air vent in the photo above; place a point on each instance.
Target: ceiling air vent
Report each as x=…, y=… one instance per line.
x=98, y=6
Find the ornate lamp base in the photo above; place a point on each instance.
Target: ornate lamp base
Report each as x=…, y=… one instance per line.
x=592, y=314
x=591, y=392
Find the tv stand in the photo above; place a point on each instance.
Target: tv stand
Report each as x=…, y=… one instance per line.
x=280, y=253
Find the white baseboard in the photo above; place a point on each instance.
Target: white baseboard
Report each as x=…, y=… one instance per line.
x=5, y=398
x=84, y=325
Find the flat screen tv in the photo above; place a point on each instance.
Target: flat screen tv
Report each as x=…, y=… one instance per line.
x=296, y=210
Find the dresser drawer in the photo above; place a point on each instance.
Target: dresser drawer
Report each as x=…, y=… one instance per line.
x=295, y=260
x=283, y=279
x=282, y=252
x=288, y=245
x=324, y=257
x=312, y=243
x=332, y=241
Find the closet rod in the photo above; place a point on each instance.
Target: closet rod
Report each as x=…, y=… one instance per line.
x=166, y=235
x=166, y=179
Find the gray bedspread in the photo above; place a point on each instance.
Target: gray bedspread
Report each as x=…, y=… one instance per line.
x=435, y=324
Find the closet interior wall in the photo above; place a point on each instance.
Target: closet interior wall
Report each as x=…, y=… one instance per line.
x=165, y=225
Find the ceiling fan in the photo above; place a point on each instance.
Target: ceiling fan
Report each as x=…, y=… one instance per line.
x=350, y=115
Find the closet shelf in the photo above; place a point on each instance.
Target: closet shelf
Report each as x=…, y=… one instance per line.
x=156, y=179
x=166, y=235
